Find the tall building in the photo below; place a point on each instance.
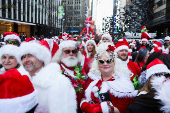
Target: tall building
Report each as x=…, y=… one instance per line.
x=30, y=17
x=160, y=20
x=75, y=15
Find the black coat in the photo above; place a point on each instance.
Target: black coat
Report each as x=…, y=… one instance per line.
x=144, y=104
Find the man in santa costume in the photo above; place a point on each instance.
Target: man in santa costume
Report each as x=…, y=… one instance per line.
x=144, y=38
x=12, y=38
x=123, y=64
x=55, y=92
x=69, y=59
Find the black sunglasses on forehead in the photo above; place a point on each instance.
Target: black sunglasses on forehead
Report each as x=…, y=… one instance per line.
x=108, y=61
x=68, y=51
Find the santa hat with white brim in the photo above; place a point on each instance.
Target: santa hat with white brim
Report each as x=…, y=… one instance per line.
x=65, y=44
x=107, y=36
x=11, y=35
x=39, y=51
x=167, y=38
x=17, y=94
x=156, y=66
x=90, y=41
x=9, y=50
x=122, y=45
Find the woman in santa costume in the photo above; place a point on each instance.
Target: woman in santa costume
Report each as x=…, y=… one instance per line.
x=105, y=91
x=9, y=59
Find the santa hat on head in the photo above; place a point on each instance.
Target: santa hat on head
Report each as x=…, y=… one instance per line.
x=158, y=44
x=90, y=41
x=30, y=39
x=11, y=35
x=156, y=66
x=167, y=38
x=121, y=45
x=132, y=44
x=51, y=45
x=107, y=36
x=65, y=44
x=10, y=50
x=17, y=94
x=145, y=35
x=36, y=49
x=88, y=19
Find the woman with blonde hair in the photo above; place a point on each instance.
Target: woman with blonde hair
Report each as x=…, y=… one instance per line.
x=104, y=90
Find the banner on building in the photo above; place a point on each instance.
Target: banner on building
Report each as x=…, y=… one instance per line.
x=60, y=12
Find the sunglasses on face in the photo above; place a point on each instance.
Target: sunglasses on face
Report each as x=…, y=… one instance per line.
x=108, y=61
x=68, y=51
x=12, y=42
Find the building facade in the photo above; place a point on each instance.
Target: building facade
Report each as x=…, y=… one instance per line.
x=30, y=17
x=75, y=15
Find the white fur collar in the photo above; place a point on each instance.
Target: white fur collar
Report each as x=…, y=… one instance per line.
x=120, y=87
x=46, y=74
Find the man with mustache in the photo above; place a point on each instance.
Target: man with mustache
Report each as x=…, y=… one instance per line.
x=122, y=62
x=54, y=91
x=69, y=57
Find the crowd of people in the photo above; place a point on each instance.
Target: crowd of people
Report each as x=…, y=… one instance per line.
x=71, y=75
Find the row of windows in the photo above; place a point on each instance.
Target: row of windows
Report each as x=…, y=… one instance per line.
x=73, y=24
x=34, y=11
x=71, y=7
x=158, y=4
x=74, y=18
x=71, y=13
x=160, y=13
x=76, y=7
x=71, y=2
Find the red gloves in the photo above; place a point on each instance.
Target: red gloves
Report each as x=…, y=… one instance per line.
x=91, y=108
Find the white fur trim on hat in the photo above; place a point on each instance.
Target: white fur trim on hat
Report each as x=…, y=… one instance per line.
x=37, y=50
x=12, y=37
x=144, y=39
x=167, y=38
x=121, y=47
x=158, y=68
x=10, y=50
x=107, y=36
x=18, y=105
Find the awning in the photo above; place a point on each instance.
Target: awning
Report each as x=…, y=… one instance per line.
x=16, y=21
x=73, y=31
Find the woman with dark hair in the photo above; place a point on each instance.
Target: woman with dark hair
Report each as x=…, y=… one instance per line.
x=141, y=59
x=145, y=102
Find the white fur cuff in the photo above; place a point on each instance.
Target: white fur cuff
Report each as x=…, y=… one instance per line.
x=83, y=102
x=105, y=107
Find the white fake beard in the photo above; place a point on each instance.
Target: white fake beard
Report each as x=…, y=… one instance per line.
x=121, y=67
x=70, y=61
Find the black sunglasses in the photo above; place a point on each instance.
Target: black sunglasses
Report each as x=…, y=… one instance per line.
x=12, y=42
x=108, y=61
x=68, y=51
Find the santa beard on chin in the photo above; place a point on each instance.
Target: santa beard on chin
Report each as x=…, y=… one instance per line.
x=121, y=67
x=70, y=61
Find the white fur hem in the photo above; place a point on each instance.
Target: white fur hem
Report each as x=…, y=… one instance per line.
x=105, y=107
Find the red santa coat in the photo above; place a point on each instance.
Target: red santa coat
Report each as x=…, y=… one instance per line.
x=70, y=73
x=120, y=89
x=133, y=69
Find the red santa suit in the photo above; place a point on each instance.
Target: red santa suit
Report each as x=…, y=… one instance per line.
x=120, y=89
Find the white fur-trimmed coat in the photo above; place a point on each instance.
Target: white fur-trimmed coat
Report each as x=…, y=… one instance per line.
x=55, y=92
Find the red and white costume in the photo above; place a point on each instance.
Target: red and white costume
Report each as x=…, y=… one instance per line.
x=88, y=28
x=121, y=91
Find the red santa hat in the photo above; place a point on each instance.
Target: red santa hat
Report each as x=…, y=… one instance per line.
x=11, y=35
x=36, y=49
x=107, y=36
x=121, y=45
x=30, y=39
x=10, y=50
x=156, y=66
x=145, y=35
x=143, y=47
x=88, y=19
x=17, y=94
x=158, y=44
x=65, y=44
x=133, y=44
x=51, y=45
